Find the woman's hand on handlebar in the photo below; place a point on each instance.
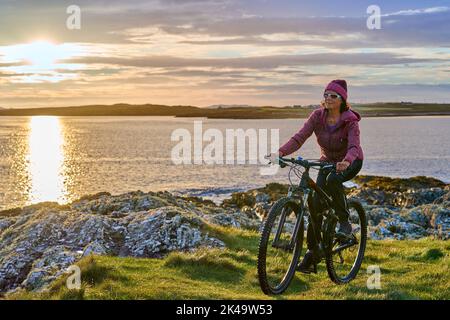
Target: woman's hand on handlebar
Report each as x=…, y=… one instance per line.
x=273, y=157
x=342, y=166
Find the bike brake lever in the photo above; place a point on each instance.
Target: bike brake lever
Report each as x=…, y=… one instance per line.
x=281, y=163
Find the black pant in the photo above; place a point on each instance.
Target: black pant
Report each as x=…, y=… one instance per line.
x=331, y=183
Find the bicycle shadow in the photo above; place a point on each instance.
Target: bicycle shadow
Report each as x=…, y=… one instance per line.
x=298, y=285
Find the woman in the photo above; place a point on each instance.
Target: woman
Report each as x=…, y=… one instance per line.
x=337, y=131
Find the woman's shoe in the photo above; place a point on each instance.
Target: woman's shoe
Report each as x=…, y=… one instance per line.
x=344, y=233
x=308, y=263
x=345, y=228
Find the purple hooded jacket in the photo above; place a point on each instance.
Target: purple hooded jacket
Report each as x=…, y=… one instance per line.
x=337, y=144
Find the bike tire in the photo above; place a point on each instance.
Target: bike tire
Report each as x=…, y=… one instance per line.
x=329, y=256
x=275, y=212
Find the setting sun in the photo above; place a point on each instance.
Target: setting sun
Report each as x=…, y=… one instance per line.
x=40, y=54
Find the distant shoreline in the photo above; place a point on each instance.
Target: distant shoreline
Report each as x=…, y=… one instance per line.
x=400, y=115
x=265, y=112
x=236, y=118
x=305, y=117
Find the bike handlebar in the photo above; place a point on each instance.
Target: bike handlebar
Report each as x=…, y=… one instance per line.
x=306, y=163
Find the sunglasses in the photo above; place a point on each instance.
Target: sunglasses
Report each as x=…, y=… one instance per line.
x=333, y=96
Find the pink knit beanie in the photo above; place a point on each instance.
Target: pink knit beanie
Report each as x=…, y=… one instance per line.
x=338, y=86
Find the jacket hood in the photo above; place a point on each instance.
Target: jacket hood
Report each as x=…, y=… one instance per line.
x=347, y=116
x=350, y=115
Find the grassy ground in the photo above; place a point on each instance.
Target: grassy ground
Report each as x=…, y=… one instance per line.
x=410, y=270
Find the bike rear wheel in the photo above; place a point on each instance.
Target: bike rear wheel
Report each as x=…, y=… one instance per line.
x=280, y=246
x=344, y=256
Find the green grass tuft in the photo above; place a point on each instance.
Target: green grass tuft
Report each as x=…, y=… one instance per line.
x=433, y=254
x=203, y=258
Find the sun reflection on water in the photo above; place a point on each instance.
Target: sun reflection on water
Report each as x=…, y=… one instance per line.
x=46, y=160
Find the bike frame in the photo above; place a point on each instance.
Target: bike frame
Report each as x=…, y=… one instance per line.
x=304, y=189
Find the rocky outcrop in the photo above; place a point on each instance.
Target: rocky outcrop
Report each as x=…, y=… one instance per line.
x=39, y=242
x=398, y=192
x=405, y=208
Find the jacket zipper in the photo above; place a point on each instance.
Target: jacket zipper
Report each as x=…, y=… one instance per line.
x=329, y=146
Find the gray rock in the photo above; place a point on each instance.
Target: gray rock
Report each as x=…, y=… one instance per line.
x=95, y=248
x=431, y=216
x=153, y=233
x=417, y=215
x=5, y=224
x=261, y=197
x=53, y=262
x=403, y=199
x=376, y=214
x=249, y=212
x=445, y=198
x=396, y=228
x=37, y=278
x=234, y=219
x=440, y=221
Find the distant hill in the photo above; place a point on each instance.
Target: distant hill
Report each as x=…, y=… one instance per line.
x=230, y=112
x=226, y=106
x=121, y=109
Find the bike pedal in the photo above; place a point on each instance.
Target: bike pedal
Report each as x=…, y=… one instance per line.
x=344, y=237
x=307, y=271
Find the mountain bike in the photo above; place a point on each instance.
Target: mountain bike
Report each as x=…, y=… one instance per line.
x=281, y=243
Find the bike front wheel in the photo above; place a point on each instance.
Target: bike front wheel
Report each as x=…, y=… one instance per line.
x=280, y=246
x=344, y=256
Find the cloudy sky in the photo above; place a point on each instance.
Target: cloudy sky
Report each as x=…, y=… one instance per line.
x=204, y=52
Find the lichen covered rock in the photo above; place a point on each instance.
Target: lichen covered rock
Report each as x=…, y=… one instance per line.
x=40, y=243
